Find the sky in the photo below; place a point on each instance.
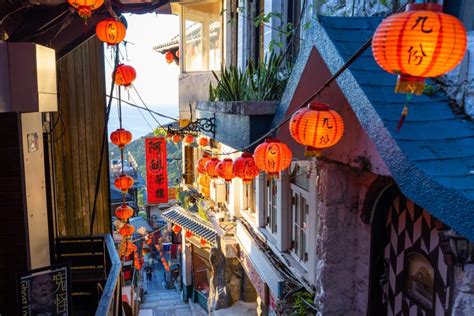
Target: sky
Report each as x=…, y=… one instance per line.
x=157, y=81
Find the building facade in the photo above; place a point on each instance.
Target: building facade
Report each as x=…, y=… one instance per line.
x=382, y=222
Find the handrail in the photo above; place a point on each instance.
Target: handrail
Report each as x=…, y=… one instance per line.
x=113, y=278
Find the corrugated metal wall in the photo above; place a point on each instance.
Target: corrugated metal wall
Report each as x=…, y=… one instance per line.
x=77, y=140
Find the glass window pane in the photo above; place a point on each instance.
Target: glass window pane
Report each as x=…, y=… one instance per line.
x=202, y=36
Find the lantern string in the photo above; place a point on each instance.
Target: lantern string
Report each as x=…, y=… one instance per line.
x=104, y=143
x=328, y=82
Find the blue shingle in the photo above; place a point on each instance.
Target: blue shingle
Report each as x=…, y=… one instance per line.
x=436, y=142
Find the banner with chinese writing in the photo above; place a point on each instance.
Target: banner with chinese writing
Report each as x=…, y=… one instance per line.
x=156, y=170
x=45, y=291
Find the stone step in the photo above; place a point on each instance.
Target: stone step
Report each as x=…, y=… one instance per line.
x=155, y=298
x=172, y=313
x=163, y=305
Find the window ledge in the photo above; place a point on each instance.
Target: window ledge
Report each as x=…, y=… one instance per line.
x=249, y=217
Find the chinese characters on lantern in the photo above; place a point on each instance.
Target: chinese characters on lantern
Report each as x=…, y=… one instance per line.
x=156, y=169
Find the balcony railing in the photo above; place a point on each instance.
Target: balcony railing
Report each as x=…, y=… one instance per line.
x=95, y=272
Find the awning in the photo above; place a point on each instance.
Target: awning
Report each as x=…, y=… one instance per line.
x=179, y=216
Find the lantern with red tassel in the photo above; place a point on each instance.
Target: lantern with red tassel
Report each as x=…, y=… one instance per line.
x=317, y=127
x=422, y=42
x=124, y=212
x=85, y=7
x=272, y=157
x=123, y=183
x=125, y=75
x=203, y=141
x=244, y=167
x=224, y=169
x=110, y=31
x=121, y=138
x=176, y=138
x=202, y=163
x=169, y=57
x=189, y=139
x=211, y=168
x=176, y=229
x=126, y=230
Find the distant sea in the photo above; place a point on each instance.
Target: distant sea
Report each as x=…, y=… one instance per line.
x=133, y=121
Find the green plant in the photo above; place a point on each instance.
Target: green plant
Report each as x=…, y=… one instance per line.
x=264, y=81
x=303, y=304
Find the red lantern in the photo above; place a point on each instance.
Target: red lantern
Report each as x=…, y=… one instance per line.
x=124, y=212
x=189, y=139
x=176, y=138
x=188, y=234
x=244, y=167
x=123, y=183
x=125, y=75
x=202, y=163
x=224, y=169
x=177, y=54
x=211, y=168
x=169, y=57
x=149, y=241
x=203, y=242
x=203, y=141
x=85, y=7
x=272, y=156
x=121, y=138
x=176, y=229
x=110, y=31
x=420, y=43
x=317, y=127
x=126, y=230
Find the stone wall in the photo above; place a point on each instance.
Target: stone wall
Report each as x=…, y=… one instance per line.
x=464, y=291
x=343, y=241
x=358, y=7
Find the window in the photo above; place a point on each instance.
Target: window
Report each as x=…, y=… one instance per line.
x=203, y=36
x=270, y=204
x=299, y=215
x=249, y=191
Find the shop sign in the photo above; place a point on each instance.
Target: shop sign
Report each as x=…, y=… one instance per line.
x=254, y=276
x=156, y=170
x=45, y=291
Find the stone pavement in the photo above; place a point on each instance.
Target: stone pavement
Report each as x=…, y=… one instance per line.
x=160, y=301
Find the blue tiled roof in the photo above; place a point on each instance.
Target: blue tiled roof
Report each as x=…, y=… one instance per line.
x=434, y=161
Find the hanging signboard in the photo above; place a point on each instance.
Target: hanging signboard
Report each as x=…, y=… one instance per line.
x=45, y=291
x=156, y=170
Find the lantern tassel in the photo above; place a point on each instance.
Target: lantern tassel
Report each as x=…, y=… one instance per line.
x=402, y=117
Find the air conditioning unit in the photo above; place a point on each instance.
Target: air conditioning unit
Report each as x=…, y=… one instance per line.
x=27, y=78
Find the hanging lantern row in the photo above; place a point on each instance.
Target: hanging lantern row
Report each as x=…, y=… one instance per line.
x=420, y=43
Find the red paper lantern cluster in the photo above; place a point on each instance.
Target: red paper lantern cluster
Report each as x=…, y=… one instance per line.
x=110, y=31
x=211, y=168
x=123, y=183
x=124, y=212
x=317, y=127
x=224, y=169
x=244, y=167
x=121, y=138
x=272, y=156
x=125, y=75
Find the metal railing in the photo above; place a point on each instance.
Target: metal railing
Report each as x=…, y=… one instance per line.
x=110, y=300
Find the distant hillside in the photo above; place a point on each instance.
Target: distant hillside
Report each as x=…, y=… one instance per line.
x=137, y=149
